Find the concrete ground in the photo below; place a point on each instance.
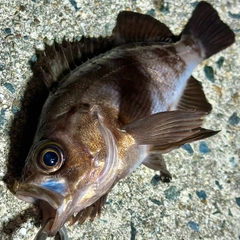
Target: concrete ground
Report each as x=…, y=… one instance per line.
x=203, y=199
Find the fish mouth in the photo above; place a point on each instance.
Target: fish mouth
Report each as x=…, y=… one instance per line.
x=54, y=207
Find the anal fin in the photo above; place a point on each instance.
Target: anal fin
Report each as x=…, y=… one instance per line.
x=194, y=98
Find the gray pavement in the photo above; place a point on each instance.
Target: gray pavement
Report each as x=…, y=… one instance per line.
x=203, y=199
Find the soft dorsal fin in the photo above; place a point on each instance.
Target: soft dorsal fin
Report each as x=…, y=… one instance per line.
x=57, y=60
x=134, y=27
x=194, y=98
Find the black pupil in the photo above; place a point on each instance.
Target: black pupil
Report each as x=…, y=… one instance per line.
x=50, y=159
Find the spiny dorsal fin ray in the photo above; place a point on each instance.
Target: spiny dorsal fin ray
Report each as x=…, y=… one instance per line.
x=193, y=97
x=59, y=59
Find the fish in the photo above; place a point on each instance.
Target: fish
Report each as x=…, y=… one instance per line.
x=115, y=103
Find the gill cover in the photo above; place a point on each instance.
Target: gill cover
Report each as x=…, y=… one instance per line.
x=106, y=179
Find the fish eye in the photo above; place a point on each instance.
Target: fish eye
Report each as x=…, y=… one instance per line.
x=48, y=156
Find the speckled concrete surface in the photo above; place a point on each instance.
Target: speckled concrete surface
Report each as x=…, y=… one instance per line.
x=203, y=199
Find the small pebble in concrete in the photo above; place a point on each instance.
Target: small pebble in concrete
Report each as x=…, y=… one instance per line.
x=209, y=73
x=155, y=201
x=165, y=8
x=2, y=117
x=201, y=195
x=172, y=193
x=194, y=226
x=74, y=4
x=8, y=30
x=151, y=12
x=232, y=162
x=133, y=231
x=234, y=119
x=203, y=148
x=220, y=62
x=238, y=201
x=188, y=148
x=218, y=184
x=10, y=87
x=155, y=180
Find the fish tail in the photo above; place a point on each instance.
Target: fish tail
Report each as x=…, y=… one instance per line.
x=206, y=27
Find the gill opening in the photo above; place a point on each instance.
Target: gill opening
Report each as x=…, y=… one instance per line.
x=111, y=162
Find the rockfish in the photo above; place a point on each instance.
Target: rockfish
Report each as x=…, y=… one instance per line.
x=115, y=103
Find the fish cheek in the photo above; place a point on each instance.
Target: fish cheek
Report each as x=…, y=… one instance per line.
x=78, y=169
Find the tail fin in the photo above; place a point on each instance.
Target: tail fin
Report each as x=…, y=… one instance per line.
x=206, y=27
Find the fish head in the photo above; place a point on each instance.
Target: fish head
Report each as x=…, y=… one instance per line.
x=72, y=163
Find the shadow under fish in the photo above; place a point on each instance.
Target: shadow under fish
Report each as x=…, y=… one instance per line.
x=113, y=104
x=24, y=125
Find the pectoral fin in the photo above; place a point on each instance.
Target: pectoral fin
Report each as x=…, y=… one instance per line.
x=168, y=130
x=91, y=211
x=200, y=134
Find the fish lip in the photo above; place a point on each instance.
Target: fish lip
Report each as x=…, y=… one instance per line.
x=34, y=193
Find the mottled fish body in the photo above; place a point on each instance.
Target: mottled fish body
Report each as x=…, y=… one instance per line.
x=126, y=106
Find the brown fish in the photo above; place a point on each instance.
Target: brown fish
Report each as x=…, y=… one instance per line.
x=117, y=110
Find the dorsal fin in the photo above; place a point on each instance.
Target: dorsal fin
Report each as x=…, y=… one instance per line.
x=194, y=98
x=134, y=27
x=58, y=60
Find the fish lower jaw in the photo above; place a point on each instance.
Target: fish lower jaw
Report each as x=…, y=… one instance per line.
x=52, y=206
x=52, y=219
